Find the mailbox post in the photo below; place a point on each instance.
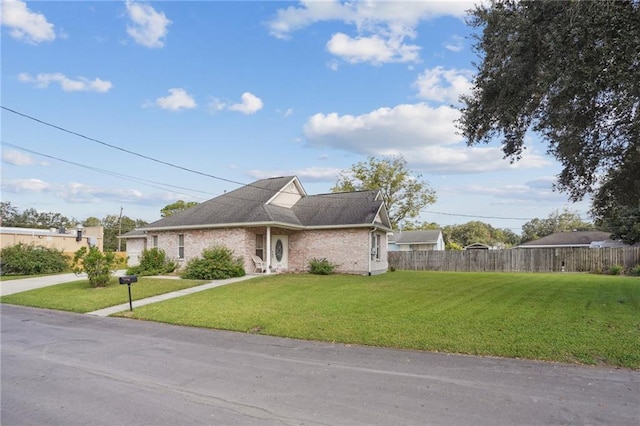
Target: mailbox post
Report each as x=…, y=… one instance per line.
x=128, y=280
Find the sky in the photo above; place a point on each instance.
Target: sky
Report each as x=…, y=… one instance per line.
x=111, y=105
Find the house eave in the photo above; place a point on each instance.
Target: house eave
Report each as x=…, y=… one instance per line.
x=224, y=225
x=261, y=224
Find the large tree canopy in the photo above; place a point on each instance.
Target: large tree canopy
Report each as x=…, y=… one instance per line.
x=402, y=191
x=177, y=207
x=568, y=70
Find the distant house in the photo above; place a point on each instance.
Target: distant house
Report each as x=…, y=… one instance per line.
x=416, y=240
x=593, y=239
x=67, y=240
x=274, y=226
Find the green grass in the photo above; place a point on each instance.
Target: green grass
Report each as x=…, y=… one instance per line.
x=574, y=318
x=79, y=296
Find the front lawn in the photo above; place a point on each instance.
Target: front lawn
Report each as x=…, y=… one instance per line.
x=581, y=318
x=79, y=296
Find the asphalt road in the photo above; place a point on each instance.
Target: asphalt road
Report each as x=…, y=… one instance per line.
x=70, y=369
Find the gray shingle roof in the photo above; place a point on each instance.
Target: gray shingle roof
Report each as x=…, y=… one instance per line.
x=247, y=205
x=416, y=237
x=575, y=238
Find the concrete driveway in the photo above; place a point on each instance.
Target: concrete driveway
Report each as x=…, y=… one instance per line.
x=26, y=284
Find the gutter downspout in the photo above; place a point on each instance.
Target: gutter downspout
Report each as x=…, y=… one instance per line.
x=369, y=250
x=268, y=250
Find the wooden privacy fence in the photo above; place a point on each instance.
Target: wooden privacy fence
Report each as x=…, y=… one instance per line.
x=517, y=260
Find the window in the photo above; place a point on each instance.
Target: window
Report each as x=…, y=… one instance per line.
x=375, y=247
x=260, y=246
x=181, y=246
x=154, y=244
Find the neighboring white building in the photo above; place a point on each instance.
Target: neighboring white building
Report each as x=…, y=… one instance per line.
x=416, y=240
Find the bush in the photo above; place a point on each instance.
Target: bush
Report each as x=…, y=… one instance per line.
x=635, y=271
x=217, y=263
x=29, y=259
x=98, y=266
x=153, y=262
x=321, y=266
x=615, y=270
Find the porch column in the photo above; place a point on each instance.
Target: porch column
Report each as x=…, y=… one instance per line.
x=268, y=250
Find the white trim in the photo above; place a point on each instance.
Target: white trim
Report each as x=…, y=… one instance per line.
x=261, y=224
x=296, y=182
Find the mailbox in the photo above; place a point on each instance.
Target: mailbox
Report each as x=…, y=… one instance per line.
x=128, y=279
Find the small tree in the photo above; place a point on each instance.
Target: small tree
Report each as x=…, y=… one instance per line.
x=98, y=266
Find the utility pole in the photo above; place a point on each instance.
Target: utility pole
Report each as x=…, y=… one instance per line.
x=119, y=229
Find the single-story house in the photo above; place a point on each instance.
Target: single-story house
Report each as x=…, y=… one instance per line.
x=416, y=240
x=273, y=225
x=573, y=239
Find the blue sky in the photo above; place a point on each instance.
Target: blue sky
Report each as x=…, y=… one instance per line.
x=237, y=91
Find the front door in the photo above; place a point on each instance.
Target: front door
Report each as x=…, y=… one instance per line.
x=279, y=253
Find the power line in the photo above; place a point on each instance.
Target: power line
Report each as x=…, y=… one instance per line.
x=109, y=172
x=478, y=216
x=166, y=163
x=146, y=157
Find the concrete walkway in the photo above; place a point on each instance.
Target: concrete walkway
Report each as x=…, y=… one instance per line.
x=166, y=296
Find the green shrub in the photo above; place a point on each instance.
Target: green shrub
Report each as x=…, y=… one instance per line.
x=615, y=270
x=29, y=259
x=216, y=263
x=635, y=271
x=98, y=266
x=321, y=266
x=153, y=262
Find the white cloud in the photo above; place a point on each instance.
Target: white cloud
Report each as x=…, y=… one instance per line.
x=81, y=84
x=25, y=185
x=444, y=85
x=74, y=192
x=424, y=135
x=17, y=158
x=249, y=104
x=26, y=25
x=455, y=43
x=532, y=192
x=381, y=27
x=309, y=174
x=374, y=49
x=286, y=113
x=217, y=105
x=177, y=99
x=147, y=26
x=402, y=126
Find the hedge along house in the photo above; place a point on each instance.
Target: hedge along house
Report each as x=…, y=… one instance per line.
x=275, y=220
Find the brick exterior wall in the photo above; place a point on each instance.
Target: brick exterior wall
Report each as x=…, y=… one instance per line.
x=349, y=249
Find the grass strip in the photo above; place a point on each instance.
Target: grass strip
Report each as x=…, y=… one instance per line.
x=79, y=296
x=571, y=318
